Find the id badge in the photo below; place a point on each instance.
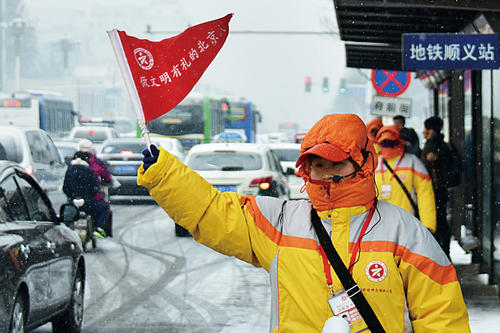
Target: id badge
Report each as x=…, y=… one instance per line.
x=385, y=191
x=343, y=307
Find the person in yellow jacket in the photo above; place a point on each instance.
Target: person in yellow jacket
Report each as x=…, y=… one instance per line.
x=406, y=278
x=412, y=174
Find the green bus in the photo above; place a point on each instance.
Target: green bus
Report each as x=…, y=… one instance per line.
x=195, y=120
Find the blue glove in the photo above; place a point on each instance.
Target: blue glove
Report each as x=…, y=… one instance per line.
x=149, y=159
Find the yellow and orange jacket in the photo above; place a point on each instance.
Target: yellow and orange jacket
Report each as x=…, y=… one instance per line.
x=415, y=177
x=419, y=291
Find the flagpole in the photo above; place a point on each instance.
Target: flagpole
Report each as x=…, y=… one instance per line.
x=129, y=84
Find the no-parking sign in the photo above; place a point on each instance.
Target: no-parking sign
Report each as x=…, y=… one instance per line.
x=390, y=83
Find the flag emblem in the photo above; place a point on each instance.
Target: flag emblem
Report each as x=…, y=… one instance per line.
x=144, y=58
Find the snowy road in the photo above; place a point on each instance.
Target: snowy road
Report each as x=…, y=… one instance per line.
x=147, y=280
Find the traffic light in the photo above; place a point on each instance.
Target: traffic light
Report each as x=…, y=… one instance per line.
x=225, y=106
x=326, y=87
x=343, y=87
x=308, y=84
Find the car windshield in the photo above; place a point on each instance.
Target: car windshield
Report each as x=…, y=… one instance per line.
x=287, y=155
x=116, y=148
x=10, y=147
x=226, y=161
x=67, y=151
x=91, y=134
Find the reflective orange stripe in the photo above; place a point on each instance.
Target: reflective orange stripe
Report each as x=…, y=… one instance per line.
x=274, y=235
x=418, y=173
x=440, y=274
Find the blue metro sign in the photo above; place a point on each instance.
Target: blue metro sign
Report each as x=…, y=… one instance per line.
x=450, y=51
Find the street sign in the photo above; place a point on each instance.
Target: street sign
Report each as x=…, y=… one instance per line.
x=390, y=83
x=390, y=106
x=450, y=51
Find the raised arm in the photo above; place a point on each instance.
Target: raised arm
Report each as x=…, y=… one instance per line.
x=221, y=221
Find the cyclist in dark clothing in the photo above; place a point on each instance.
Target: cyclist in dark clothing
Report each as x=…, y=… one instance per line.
x=437, y=158
x=81, y=182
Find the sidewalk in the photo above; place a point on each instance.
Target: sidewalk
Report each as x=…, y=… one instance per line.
x=482, y=299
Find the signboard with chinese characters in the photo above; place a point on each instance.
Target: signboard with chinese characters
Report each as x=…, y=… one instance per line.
x=450, y=51
x=390, y=106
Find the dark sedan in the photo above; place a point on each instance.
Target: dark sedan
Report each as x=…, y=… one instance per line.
x=124, y=157
x=42, y=268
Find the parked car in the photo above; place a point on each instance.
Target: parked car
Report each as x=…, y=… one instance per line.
x=124, y=156
x=96, y=134
x=42, y=267
x=246, y=168
x=287, y=154
x=35, y=151
x=67, y=148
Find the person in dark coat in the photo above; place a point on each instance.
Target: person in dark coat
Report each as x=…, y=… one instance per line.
x=81, y=182
x=408, y=135
x=437, y=158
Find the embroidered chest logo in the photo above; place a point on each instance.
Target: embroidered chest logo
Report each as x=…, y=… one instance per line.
x=402, y=176
x=376, y=271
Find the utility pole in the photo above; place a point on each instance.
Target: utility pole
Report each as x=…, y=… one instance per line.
x=66, y=46
x=18, y=25
x=3, y=26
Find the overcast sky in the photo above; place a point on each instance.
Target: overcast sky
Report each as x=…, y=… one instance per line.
x=266, y=69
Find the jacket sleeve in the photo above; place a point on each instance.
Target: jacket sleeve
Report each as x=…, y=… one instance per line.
x=103, y=171
x=221, y=221
x=433, y=293
x=425, y=195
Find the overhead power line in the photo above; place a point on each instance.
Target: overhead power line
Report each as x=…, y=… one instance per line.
x=253, y=32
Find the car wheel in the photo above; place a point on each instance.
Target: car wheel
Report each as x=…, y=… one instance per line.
x=72, y=319
x=18, y=316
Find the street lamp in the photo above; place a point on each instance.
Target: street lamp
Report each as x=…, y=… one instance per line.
x=18, y=25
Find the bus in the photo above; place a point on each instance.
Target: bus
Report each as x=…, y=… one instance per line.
x=244, y=118
x=51, y=112
x=195, y=120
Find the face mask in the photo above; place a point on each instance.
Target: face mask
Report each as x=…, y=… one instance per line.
x=357, y=191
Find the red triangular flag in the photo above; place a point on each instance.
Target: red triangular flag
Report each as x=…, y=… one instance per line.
x=159, y=75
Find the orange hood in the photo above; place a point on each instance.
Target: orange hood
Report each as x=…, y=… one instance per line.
x=348, y=133
x=371, y=125
x=391, y=133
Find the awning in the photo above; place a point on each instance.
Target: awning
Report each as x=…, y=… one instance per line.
x=372, y=29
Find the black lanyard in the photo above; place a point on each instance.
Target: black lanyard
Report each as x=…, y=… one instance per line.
x=345, y=278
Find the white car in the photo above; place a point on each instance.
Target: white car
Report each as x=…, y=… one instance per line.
x=246, y=168
x=96, y=134
x=172, y=145
x=287, y=154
